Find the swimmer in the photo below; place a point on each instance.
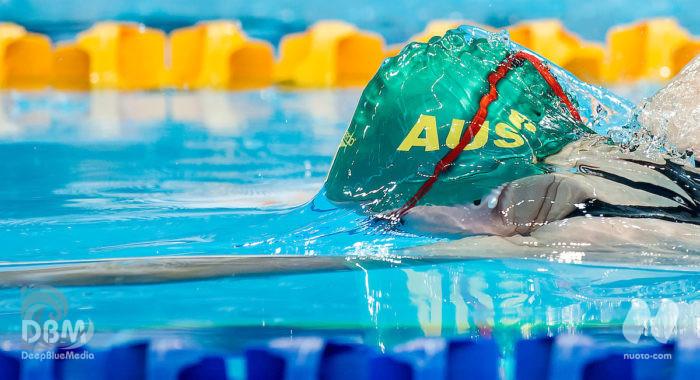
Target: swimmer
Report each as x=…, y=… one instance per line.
x=467, y=135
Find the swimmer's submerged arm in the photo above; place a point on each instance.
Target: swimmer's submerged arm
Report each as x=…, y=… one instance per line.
x=613, y=187
x=519, y=207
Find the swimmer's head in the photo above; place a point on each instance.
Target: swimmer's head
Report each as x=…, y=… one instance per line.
x=418, y=106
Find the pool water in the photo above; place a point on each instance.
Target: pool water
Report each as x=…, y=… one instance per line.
x=102, y=175
x=150, y=174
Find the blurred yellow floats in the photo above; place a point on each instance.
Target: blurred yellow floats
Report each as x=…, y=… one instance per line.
x=219, y=55
x=25, y=58
x=548, y=38
x=124, y=56
x=71, y=68
x=645, y=50
x=329, y=53
x=654, y=49
x=684, y=54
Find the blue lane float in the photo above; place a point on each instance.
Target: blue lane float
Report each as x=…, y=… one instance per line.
x=210, y=367
x=533, y=357
x=430, y=358
x=9, y=366
x=565, y=356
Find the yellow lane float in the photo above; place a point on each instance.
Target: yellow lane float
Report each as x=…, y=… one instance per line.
x=8, y=34
x=644, y=50
x=683, y=54
x=329, y=53
x=587, y=63
x=548, y=38
x=124, y=56
x=219, y=55
x=25, y=58
x=71, y=68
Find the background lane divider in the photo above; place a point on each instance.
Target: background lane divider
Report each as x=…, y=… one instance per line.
x=219, y=55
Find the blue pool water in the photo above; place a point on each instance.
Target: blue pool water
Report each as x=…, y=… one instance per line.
x=150, y=175
x=105, y=176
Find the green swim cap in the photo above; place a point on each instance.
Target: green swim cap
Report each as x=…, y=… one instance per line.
x=418, y=105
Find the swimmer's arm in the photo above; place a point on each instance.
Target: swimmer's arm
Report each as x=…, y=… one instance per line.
x=519, y=207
